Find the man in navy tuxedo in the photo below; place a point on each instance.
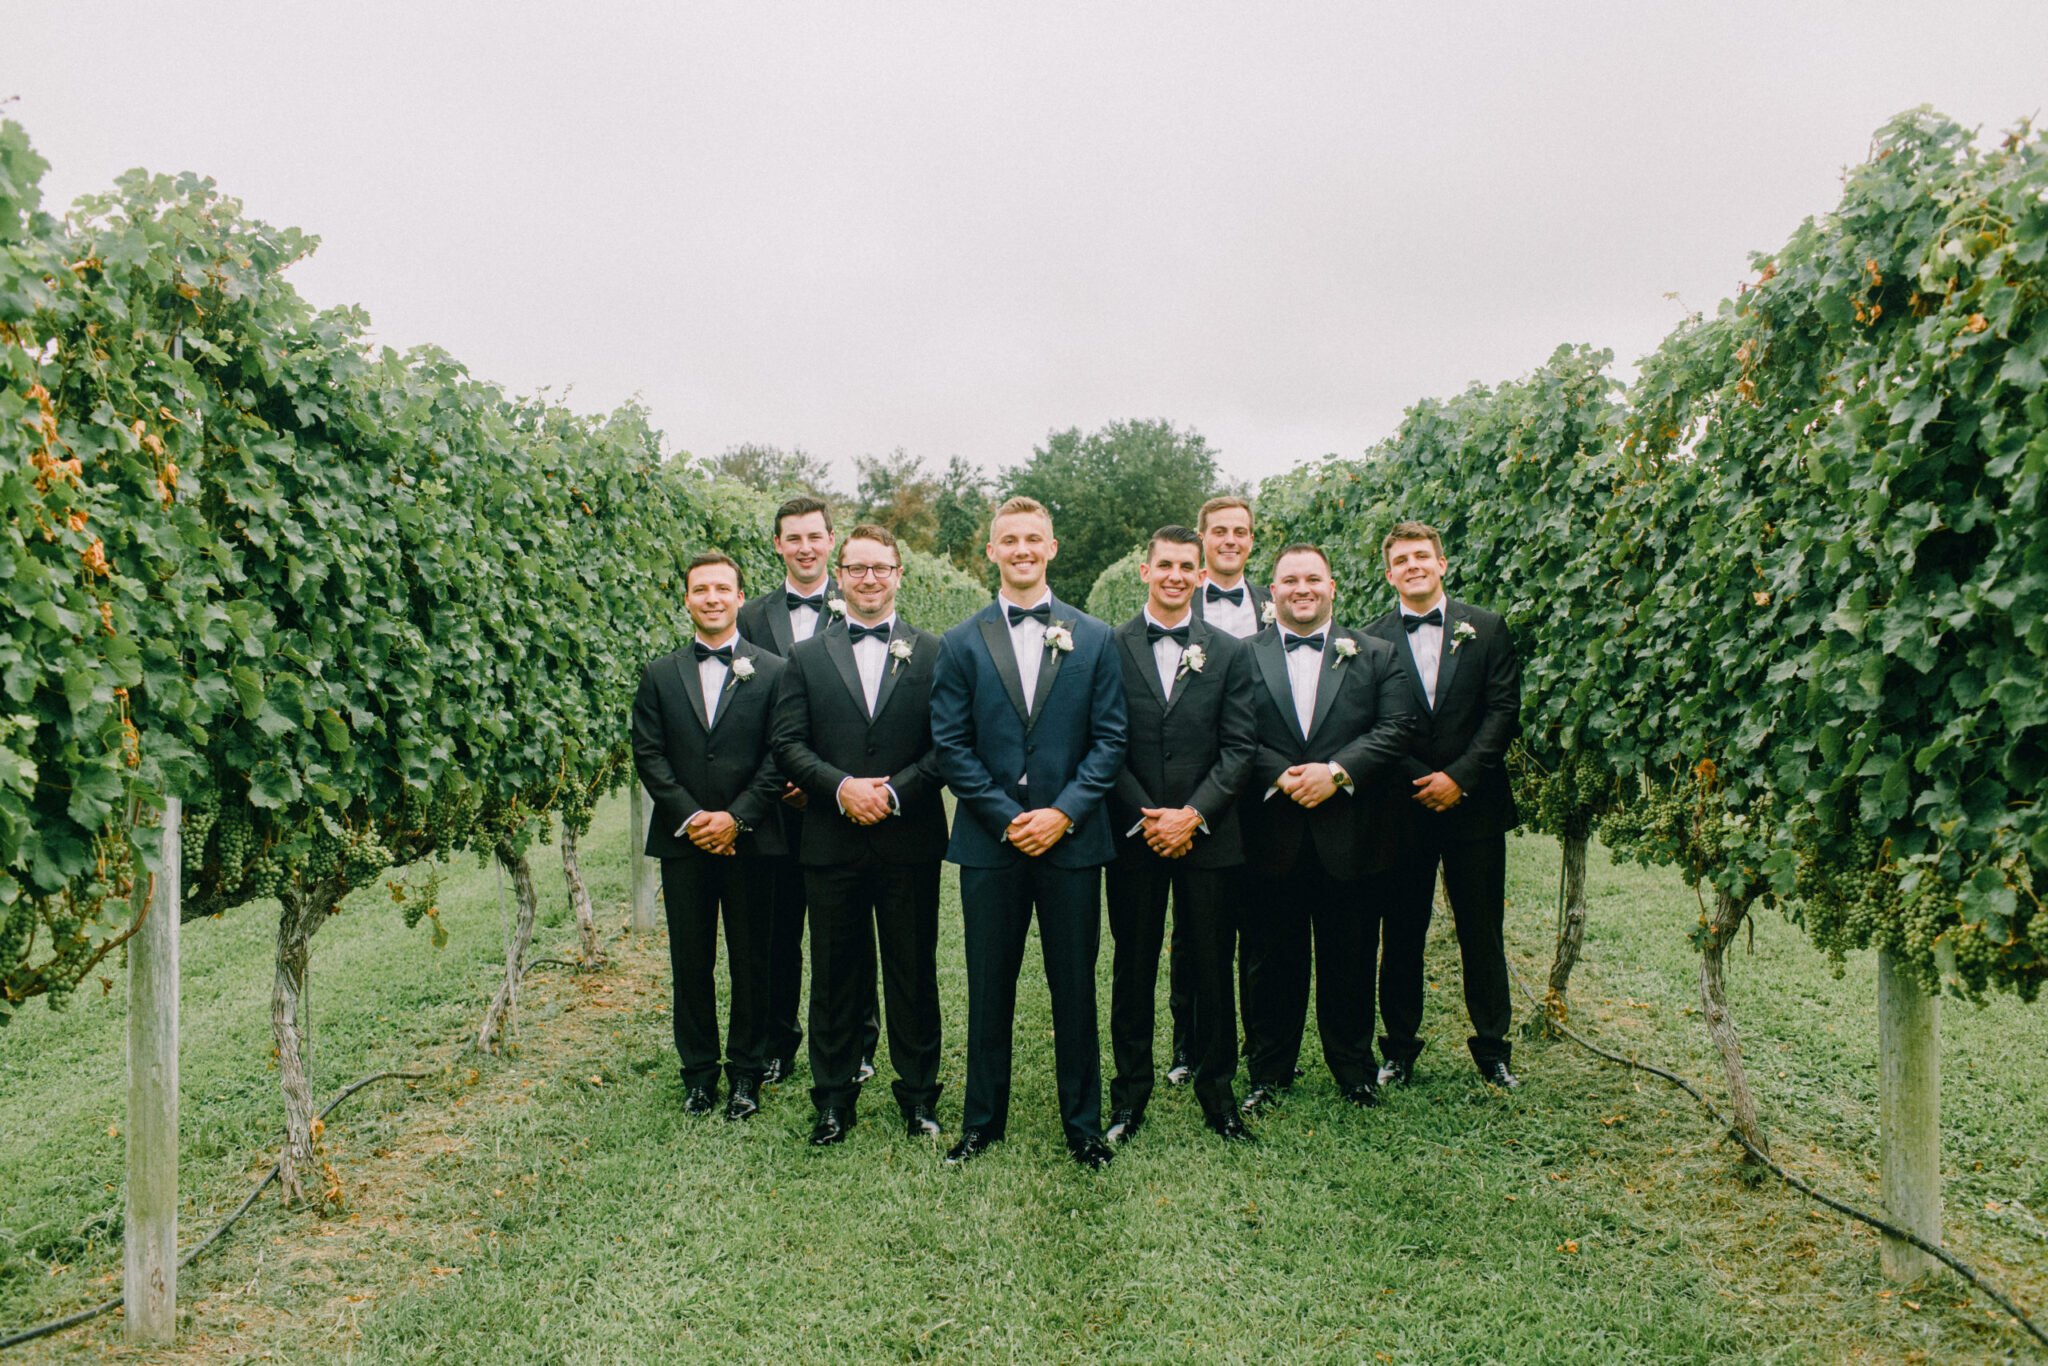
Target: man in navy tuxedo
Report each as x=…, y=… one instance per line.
x=1450, y=802
x=700, y=742
x=1028, y=722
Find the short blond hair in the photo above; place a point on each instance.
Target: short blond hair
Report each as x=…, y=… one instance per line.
x=1217, y=504
x=1020, y=504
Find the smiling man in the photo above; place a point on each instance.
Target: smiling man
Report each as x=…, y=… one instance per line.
x=1188, y=688
x=1029, y=723
x=1333, y=718
x=1453, y=806
x=700, y=742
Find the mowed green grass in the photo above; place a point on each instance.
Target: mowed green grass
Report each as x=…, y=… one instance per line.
x=557, y=1206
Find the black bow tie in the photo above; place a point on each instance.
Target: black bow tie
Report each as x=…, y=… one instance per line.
x=1314, y=642
x=1154, y=633
x=796, y=600
x=1042, y=612
x=1433, y=617
x=723, y=654
x=856, y=632
x=1233, y=596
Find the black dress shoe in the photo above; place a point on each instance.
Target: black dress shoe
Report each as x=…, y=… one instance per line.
x=1362, y=1094
x=778, y=1069
x=1182, y=1072
x=700, y=1100
x=973, y=1143
x=1124, y=1125
x=1092, y=1153
x=745, y=1100
x=831, y=1127
x=1227, y=1126
x=920, y=1122
x=1262, y=1097
x=1396, y=1072
x=865, y=1072
x=1498, y=1075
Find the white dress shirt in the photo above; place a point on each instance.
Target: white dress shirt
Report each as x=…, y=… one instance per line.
x=711, y=677
x=870, y=656
x=1305, y=674
x=1027, y=642
x=1240, y=619
x=803, y=621
x=1426, y=644
x=1167, y=652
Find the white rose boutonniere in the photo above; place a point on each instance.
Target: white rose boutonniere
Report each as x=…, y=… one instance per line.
x=1461, y=633
x=1269, y=614
x=1193, y=659
x=899, y=650
x=1344, y=647
x=742, y=669
x=836, y=606
x=1058, y=637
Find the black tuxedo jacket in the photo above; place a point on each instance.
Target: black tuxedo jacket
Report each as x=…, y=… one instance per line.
x=1191, y=748
x=1363, y=716
x=764, y=620
x=1478, y=712
x=823, y=735
x=689, y=767
x=1260, y=597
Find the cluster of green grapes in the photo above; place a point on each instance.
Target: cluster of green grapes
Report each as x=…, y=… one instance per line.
x=234, y=846
x=1845, y=893
x=194, y=827
x=1563, y=800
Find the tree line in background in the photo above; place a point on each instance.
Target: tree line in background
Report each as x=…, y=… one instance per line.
x=1106, y=489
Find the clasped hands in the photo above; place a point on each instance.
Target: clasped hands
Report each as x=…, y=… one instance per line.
x=715, y=832
x=1310, y=785
x=865, y=800
x=1033, y=832
x=1169, y=831
x=1438, y=791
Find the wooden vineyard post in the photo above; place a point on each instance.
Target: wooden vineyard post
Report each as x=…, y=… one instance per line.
x=1909, y=1115
x=149, y=1286
x=643, y=867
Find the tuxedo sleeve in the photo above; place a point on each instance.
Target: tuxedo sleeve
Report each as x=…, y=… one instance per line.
x=1237, y=740
x=1381, y=748
x=673, y=804
x=953, y=742
x=1109, y=734
x=1481, y=763
x=790, y=739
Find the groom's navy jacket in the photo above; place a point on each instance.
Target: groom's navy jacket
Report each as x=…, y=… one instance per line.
x=1069, y=748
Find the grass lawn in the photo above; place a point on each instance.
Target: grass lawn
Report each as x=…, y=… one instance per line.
x=555, y=1205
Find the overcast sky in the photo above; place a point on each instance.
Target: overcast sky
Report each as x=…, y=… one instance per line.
x=955, y=227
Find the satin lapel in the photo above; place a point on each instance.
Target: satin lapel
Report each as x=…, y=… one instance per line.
x=1447, y=663
x=1050, y=669
x=1273, y=667
x=840, y=651
x=742, y=649
x=892, y=666
x=693, y=686
x=995, y=634
x=1396, y=635
x=1330, y=679
x=1133, y=642
x=1199, y=632
x=778, y=623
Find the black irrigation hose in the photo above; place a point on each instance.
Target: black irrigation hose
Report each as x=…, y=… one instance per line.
x=1941, y=1254
x=43, y=1330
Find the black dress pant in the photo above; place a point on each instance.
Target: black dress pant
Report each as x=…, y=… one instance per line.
x=1302, y=915
x=996, y=904
x=1204, y=935
x=696, y=892
x=851, y=906
x=786, y=961
x=1475, y=881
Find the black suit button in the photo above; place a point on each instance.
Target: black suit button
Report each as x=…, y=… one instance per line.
x=1169, y=754
x=1031, y=749
x=871, y=749
x=709, y=756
